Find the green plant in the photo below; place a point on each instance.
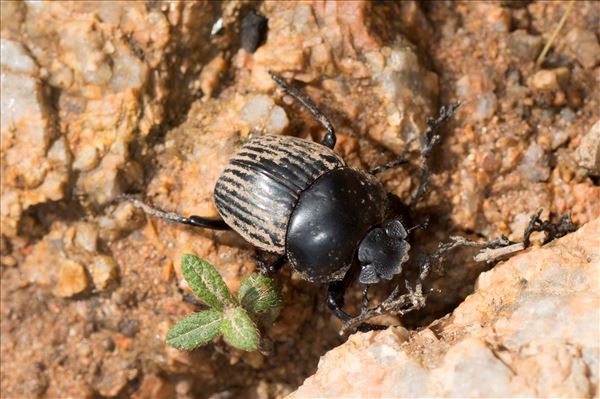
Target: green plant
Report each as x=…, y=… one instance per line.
x=233, y=317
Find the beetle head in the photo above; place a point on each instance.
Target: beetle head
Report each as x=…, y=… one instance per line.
x=382, y=252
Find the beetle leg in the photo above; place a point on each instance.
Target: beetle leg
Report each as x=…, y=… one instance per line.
x=330, y=138
x=365, y=298
x=196, y=221
x=269, y=268
x=429, y=141
x=388, y=165
x=335, y=301
x=553, y=230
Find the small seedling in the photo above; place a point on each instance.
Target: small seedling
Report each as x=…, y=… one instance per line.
x=234, y=318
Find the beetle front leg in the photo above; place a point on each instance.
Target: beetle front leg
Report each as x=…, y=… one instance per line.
x=552, y=230
x=269, y=268
x=430, y=139
x=335, y=301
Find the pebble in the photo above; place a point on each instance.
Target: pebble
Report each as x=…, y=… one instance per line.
x=184, y=387
x=108, y=344
x=549, y=79
x=583, y=45
x=558, y=138
x=567, y=115
x=523, y=45
x=121, y=221
x=261, y=113
x=494, y=17
x=254, y=359
x=154, y=387
x=86, y=236
x=129, y=327
x=72, y=279
x=535, y=164
x=86, y=159
x=35, y=380
x=477, y=90
x=111, y=384
x=210, y=75
x=9, y=261
x=486, y=106
x=587, y=153
x=104, y=271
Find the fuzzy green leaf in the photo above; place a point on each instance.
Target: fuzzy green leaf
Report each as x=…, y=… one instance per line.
x=258, y=294
x=239, y=330
x=206, y=282
x=195, y=330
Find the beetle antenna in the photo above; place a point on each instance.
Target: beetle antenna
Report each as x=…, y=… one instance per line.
x=420, y=226
x=329, y=139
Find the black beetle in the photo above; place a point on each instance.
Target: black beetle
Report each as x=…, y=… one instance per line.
x=297, y=198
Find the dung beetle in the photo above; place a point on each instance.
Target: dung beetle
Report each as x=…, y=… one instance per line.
x=299, y=200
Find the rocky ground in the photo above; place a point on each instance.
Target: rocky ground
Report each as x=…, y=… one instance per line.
x=101, y=99
x=529, y=330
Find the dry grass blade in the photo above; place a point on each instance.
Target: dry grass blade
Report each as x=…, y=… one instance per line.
x=540, y=59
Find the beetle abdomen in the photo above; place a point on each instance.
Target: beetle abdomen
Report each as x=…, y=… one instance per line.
x=260, y=186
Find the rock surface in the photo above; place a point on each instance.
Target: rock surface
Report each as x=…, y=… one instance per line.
x=35, y=157
x=153, y=98
x=83, y=85
x=530, y=329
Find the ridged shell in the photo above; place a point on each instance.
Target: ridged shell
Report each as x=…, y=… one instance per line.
x=260, y=186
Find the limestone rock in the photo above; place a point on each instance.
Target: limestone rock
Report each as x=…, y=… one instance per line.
x=530, y=329
x=35, y=158
x=112, y=65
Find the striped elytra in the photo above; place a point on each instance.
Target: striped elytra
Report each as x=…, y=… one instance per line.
x=259, y=188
